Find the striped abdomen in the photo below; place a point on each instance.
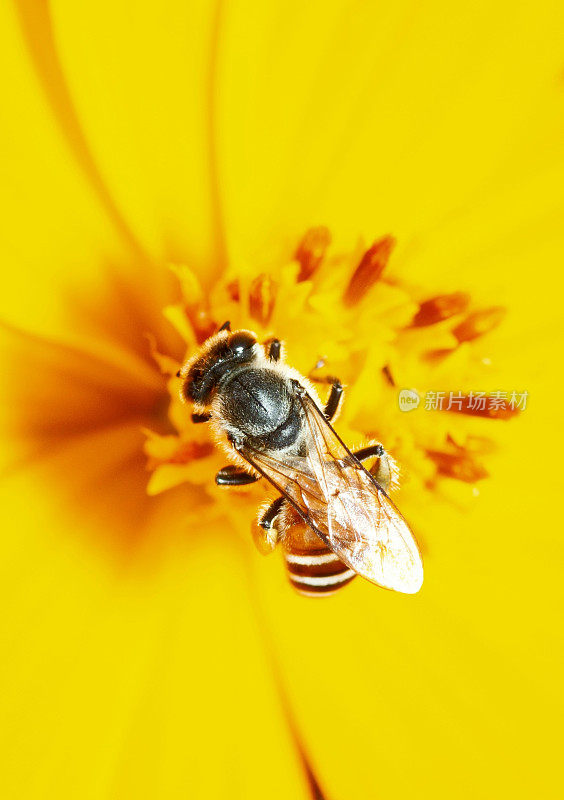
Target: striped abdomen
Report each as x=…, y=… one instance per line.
x=313, y=569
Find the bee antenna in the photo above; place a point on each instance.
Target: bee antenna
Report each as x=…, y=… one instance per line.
x=178, y=374
x=226, y=326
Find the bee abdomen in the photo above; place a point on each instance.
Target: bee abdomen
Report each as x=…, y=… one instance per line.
x=317, y=573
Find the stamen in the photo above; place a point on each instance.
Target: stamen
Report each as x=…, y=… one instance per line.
x=369, y=270
x=202, y=324
x=478, y=445
x=387, y=373
x=262, y=297
x=187, y=452
x=234, y=291
x=311, y=251
x=440, y=308
x=196, y=305
x=434, y=356
x=458, y=465
x=478, y=323
x=487, y=409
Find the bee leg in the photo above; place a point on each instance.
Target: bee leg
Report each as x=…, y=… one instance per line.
x=269, y=516
x=370, y=452
x=334, y=399
x=265, y=533
x=381, y=469
x=197, y=418
x=336, y=393
x=273, y=349
x=233, y=476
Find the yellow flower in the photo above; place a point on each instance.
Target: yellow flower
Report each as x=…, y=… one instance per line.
x=148, y=650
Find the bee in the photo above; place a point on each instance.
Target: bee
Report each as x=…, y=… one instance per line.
x=332, y=516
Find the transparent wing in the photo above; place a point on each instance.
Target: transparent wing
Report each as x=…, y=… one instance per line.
x=344, y=505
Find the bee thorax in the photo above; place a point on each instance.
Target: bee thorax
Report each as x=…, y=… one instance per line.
x=255, y=401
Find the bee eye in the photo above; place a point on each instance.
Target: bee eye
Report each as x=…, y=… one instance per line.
x=241, y=342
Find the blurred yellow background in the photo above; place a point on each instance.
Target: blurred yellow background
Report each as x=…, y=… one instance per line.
x=147, y=656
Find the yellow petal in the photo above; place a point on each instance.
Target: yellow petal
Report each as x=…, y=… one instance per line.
x=55, y=230
x=69, y=249
x=54, y=391
x=143, y=87
x=386, y=119
x=148, y=680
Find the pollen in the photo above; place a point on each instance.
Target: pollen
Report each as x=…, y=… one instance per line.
x=369, y=270
x=479, y=323
x=461, y=466
x=311, y=251
x=262, y=298
x=440, y=308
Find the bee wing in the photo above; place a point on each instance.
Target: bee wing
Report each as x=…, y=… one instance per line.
x=364, y=528
x=344, y=505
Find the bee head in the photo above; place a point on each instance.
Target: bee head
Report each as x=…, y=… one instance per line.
x=220, y=353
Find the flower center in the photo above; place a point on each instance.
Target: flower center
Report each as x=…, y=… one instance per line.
x=393, y=346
